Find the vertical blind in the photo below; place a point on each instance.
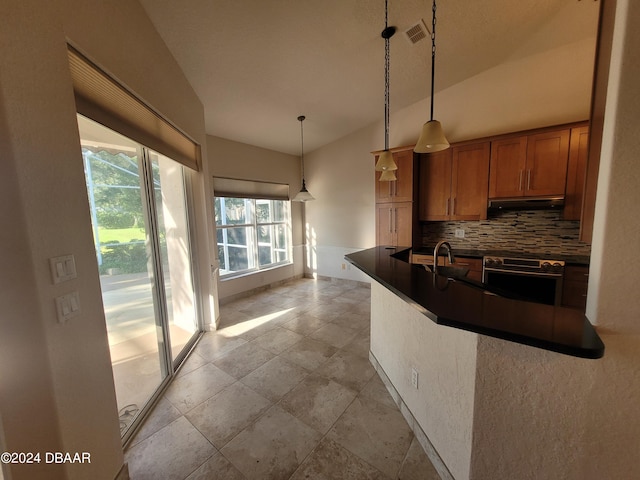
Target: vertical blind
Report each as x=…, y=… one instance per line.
x=104, y=100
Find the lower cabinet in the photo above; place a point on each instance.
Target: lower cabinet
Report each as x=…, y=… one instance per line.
x=574, y=287
x=394, y=222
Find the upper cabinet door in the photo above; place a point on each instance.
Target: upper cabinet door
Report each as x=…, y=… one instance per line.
x=547, y=159
x=403, y=186
x=400, y=190
x=435, y=186
x=508, y=165
x=469, y=181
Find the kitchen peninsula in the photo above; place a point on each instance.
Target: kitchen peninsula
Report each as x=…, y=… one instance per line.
x=505, y=381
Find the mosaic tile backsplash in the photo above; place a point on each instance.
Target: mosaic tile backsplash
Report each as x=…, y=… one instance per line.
x=534, y=231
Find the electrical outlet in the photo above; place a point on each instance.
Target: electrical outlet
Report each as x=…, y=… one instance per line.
x=459, y=233
x=414, y=378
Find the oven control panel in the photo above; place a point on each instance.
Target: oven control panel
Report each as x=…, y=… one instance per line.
x=523, y=265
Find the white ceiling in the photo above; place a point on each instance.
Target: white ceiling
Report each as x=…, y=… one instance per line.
x=258, y=64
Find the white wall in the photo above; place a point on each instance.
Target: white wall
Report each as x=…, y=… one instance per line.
x=517, y=95
x=57, y=390
x=230, y=159
x=445, y=358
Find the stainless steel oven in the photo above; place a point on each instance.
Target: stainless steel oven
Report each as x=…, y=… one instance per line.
x=538, y=280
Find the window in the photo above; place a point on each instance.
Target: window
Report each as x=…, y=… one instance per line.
x=252, y=234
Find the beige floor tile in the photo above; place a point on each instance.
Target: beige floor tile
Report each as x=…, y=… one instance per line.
x=243, y=360
x=329, y=461
x=275, y=378
x=163, y=414
x=216, y=468
x=195, y=387
x=213, y=345
x=334, y=335
x=277, y=340
x=376, y=390
x=376, y=433
x=192, y=362
x=360, y=345
x=224, y=415
x=309, y=353
x=356, y=321
x=318, y=402
x=273, y=447
x=304, y=324
x=348, y=369
x=173, y=452
x=417, y=465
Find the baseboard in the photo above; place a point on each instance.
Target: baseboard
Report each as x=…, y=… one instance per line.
x=344, y=281
x=422, y=438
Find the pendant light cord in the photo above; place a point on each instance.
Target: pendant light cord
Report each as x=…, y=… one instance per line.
x=386, y=75
x=301, y=118
x=433, y=54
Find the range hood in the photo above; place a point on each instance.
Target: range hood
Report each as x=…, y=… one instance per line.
x=526, y=203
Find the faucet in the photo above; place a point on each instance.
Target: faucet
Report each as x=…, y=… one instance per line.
x=440, y=244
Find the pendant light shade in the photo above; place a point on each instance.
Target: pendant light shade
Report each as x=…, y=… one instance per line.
x=388, y=176
x=303, y=195
x=432, y=137
x=385, y=163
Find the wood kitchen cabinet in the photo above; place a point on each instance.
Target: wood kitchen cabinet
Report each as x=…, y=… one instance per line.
x=529, y=165
x=394, y=224
x=394, y=202
x=453, y=183
x=574, y=287
x=400, y=190
x=576, y=173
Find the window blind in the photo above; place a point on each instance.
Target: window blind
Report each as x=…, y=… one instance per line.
x=236, y=188
x=104, y=100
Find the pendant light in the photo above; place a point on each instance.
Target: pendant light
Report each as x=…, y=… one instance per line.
x=432, y=137
x=385, y=163
x=303, y=195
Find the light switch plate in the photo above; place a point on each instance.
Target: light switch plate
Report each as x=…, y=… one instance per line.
x=62, y=268
x=68, y=306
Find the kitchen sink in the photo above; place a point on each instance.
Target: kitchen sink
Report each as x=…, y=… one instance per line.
x=450, y=271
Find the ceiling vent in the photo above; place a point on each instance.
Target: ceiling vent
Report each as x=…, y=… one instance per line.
x=417, y=32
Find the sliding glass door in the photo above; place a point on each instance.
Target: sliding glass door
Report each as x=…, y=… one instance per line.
x=139, y=214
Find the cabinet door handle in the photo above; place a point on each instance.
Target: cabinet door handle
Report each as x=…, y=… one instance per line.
x=395, y=220
x=390, y=191
x=529, y=179
x=390, y=220
x=446, y=212
x=453, y=206
x=520, y=180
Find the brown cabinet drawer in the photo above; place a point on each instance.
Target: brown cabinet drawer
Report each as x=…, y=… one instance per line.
x=574, y=289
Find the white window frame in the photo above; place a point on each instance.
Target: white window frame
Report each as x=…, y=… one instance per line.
x=253, y=243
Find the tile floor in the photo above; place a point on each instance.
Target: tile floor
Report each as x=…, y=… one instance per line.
x=282, y=390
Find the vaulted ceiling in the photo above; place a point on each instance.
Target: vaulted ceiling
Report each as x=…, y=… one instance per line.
x=258, y=64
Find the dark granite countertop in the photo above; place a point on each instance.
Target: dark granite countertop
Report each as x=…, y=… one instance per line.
x=479, y=253
x=469, y=306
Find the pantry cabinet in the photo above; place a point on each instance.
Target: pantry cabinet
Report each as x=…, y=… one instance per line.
x=394, y=202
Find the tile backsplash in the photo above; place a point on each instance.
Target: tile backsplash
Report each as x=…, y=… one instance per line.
x=535, y=231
